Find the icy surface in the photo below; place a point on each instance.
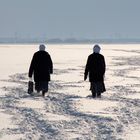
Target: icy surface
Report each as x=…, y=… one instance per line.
x=66, y=112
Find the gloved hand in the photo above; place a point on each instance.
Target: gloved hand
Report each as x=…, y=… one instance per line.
x=85, y=77
x=51, y=72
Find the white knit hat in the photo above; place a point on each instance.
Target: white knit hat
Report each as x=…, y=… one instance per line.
x=96, y=49
x=42, y=47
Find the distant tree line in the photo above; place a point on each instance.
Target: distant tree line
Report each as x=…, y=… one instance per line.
x=69, y=40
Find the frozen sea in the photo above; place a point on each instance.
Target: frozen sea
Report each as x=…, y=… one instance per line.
x=66, y=113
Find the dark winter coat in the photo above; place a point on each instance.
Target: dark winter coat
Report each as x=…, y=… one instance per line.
x=41, y=66
x=95, y=67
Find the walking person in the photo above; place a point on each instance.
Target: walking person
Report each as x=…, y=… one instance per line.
x=95, y=67
x=41, y=67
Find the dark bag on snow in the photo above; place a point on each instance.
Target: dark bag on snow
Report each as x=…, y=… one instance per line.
x=30, y=87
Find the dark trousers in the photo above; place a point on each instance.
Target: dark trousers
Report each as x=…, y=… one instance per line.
x=41, y=86
x=95, y=94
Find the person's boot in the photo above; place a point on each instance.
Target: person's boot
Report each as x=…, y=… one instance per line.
x=99, y=95
x=38, y=91
x=43, y=93
x=93, y=94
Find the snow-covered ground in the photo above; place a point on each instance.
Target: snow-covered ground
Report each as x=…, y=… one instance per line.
x=66, y=113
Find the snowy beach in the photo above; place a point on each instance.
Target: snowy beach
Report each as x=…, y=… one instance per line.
x=66, y=113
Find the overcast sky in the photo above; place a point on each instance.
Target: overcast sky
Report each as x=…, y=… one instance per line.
x=70, y=18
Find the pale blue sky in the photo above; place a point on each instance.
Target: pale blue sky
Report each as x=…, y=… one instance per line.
x=70, y=18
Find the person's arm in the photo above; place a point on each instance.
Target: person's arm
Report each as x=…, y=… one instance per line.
x=86, y=69
x=50, y=64
x=31, y=68
x=104, y=65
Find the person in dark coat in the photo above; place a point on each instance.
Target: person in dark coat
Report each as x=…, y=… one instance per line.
x=41, y=67
x=95, y=67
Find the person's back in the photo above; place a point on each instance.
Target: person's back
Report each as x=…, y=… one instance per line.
x=42, y=66
x=96, y=67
